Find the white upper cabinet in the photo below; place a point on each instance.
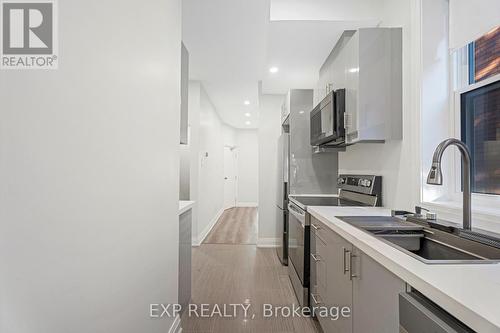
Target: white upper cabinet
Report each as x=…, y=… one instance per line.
x=373, y=71
x=368, y=64
x=350, y=67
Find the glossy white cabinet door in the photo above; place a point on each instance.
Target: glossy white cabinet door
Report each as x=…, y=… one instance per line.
x=351, y=72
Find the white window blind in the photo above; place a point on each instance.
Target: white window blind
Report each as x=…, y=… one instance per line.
x=470, y=19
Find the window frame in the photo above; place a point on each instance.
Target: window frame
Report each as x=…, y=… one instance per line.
x=481, y=199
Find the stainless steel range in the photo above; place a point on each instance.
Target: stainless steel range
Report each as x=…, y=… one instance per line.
x=355, y=190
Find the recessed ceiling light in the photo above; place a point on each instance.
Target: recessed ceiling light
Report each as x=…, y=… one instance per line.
x=354, y=70
x=301, y=112
x=274, y=69
x=248, y=123
x=247, y=102
x=248, y=114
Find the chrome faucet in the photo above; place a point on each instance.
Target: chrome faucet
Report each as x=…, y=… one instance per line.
x=435, y=176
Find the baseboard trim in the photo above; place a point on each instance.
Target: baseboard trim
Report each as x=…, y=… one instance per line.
x=247, y=204
x=176, y=325
x=268, y=242
x=208, y=228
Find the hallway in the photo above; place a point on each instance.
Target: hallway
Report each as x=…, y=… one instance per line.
x=237, y=225
x=240, y=274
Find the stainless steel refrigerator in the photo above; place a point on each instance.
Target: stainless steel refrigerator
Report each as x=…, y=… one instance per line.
x=282, y=197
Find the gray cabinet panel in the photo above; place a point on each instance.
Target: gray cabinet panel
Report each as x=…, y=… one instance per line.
x=330, y=282
x=375, y=296
x=185, y=258
x=313, y=264
x=353, y=279
x=339, y=286
x=184, y=94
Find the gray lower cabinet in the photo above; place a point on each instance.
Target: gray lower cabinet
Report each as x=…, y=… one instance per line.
x=331, y=286
x=375, y=296
x=185, y=259
x=343, y=276
x=339, y=281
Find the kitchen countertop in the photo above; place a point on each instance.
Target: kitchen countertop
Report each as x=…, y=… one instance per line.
x=184, y=206
x=470, y=292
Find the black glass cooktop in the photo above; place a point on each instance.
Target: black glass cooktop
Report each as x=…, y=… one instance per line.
x=324, y=201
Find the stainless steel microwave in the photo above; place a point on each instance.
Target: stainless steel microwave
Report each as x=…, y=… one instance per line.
x=327, y=120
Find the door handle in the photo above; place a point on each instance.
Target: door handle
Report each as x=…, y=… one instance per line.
x=351, y=274
x=344, y=252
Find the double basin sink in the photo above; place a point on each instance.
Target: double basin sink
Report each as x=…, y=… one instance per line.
x=429, y=242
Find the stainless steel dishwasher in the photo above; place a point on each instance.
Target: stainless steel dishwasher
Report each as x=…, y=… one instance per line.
x=418, y=314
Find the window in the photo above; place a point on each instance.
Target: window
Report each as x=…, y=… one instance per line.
x=477, y=61
x=476, y=77
x=480, y=128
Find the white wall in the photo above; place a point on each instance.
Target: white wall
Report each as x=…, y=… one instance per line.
x=210, y=159
x=89, y=173
x=229, y=134
x=394, y=160
x=269, y=132
x=435, y=92
x=247, y=142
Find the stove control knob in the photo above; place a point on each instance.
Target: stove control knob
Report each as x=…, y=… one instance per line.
x=365, y=183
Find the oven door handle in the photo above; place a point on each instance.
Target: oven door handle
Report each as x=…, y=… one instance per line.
x=299, y=215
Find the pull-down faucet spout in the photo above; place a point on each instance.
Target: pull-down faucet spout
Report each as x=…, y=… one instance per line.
x=435, y=176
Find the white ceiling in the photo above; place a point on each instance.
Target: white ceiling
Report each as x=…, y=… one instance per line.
x=326, y=10
x=232, y=44
x=299, y=48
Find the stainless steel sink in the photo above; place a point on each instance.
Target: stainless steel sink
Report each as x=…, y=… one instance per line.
x=425, y=243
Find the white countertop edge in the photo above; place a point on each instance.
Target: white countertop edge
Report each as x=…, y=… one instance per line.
x=185, y=205
x=388, y=256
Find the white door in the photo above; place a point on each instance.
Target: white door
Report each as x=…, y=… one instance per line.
x=229, y=177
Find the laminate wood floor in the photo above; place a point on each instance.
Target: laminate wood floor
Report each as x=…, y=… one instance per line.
x=236, y=226
x=241, y=274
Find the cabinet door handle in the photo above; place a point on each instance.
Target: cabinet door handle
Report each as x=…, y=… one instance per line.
x=315, y=257
x=344, y=251
x=316, y=300
x=315, y=227
x=351, y=274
